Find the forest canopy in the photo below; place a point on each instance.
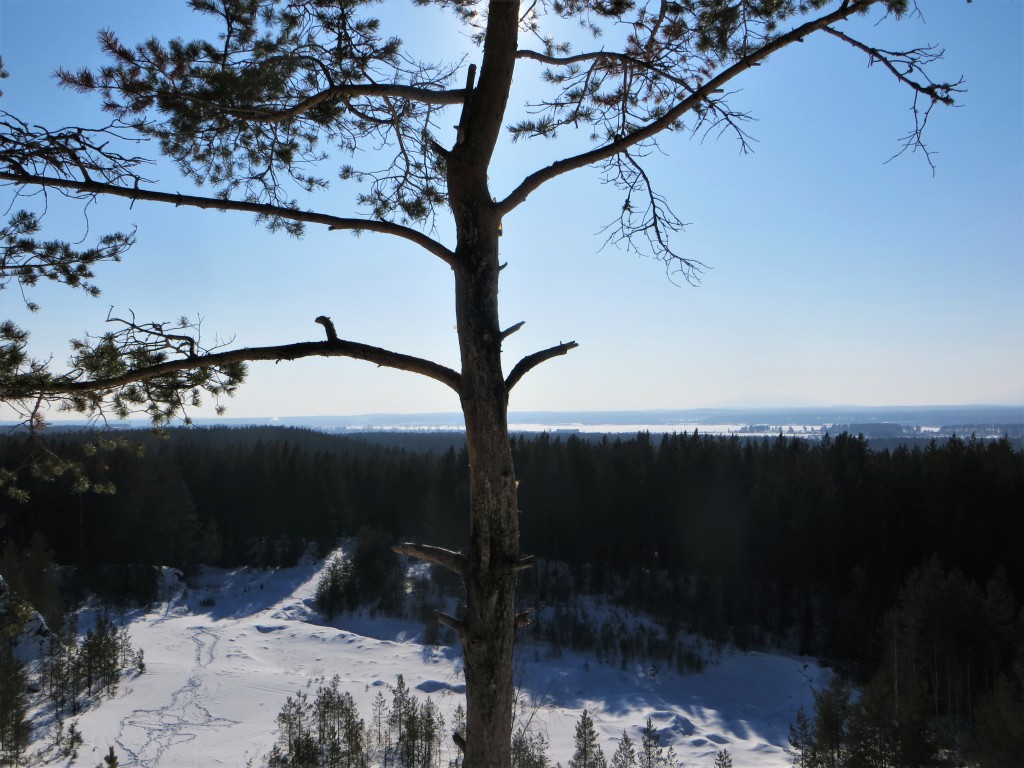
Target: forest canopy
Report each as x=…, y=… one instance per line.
x=764, y=526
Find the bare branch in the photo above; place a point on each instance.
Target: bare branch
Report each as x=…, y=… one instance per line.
x=155, y=339
x=34, y=150
x=525, y=563
x=352, y=91
x=512, y=329
x=452, y=623
x=262, y=210
x=339, y=348
x=332, y=334
x=909, y=68
x=453, y=561
x=670, y=117
x=575, y=58
x=460, y=129
x=530, y=362
x=904, y=64
x=603, y=57
x=648, y=219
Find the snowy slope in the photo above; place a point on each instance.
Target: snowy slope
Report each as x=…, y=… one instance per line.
x=217, y=675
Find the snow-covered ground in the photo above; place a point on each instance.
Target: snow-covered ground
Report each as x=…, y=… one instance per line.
x=222, y=657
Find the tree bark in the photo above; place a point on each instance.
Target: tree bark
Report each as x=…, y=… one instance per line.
x=488, y=626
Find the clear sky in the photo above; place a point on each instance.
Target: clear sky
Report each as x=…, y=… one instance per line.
x=835, y=278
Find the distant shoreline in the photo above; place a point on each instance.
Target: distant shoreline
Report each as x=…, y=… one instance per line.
x=899, y=422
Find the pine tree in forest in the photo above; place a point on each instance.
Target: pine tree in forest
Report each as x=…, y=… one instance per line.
x=15, y=728
x=458, y=735
x=337, y=729
x=529, y=750
x=831, y=722
x=822, y=742
x=403, y=723
x=331, y=587
x=587, y=752
x=67, y=742
x=650, y=747
x=29, y=573
x=625, y=753
x=378, y=733
x=800, y=741
x=999, y=731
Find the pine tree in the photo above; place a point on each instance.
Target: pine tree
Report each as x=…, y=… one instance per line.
x=458, y=737
x=14, y=724
x=529, y=750
x=650, y=747
x=831, y=722
x=430, y=730
x=999, y=730
x=67, y=742
x=352, y=735
x=402, y=723
x=588, y=753
x=378, y=734
x=29, y=574
x=723, y=759
x=625, y=753
x=801, y=741
x=330, y=589
x=296, y=744
x=286, y=86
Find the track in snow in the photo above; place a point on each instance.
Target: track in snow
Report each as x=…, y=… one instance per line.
x=178, y=721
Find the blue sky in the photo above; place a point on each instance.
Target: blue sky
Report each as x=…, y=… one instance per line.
x=835, y=278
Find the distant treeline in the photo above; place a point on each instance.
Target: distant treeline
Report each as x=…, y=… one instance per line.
x=769, y=541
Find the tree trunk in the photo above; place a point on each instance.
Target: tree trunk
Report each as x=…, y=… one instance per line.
x=488, y=626
x=490, y=579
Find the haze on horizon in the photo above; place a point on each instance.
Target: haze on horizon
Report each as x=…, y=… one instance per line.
x=834, y=277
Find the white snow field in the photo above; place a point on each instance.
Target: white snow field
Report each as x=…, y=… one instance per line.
x=217, y=675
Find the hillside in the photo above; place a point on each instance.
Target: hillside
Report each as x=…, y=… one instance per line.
x=222, y=657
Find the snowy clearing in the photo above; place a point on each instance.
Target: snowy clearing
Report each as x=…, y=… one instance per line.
x=221, y=659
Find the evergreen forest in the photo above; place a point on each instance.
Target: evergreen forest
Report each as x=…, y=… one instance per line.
x=898, y=565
